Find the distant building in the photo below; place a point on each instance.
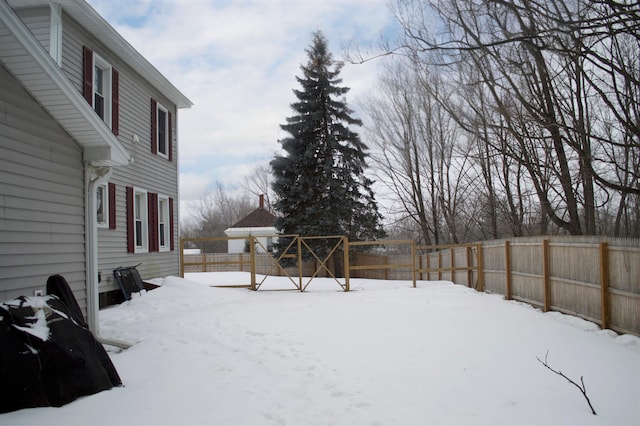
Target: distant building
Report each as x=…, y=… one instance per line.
x=259, y=223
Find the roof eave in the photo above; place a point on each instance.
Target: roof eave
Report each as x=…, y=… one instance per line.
x=255, y=231
x=38, y=73
x=86, y=16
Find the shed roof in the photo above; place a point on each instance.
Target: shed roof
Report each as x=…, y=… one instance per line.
x=259, y=218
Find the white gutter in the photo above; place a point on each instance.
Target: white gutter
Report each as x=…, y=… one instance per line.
x=94, y=176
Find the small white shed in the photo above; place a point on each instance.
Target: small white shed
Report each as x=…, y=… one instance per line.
x=260, y=223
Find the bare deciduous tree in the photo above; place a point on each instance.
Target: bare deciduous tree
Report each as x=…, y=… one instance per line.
x=547, y=94
x=216, y=211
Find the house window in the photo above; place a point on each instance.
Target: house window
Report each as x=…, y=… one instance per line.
x=102, y=206
x=140, y=221
x=149, y=221
x=102, y=89
x=164, y=226
x=163, y=131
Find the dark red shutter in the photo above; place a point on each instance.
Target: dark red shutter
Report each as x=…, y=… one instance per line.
x=112, y=205
x=170, y=137
x=154, y=126
x=152, y=209
x=131, y=237
x=87, y=74
x=115, y=101
x=156, y=221
x=171, y=238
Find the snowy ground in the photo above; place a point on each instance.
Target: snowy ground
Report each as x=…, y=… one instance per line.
x=383, y=354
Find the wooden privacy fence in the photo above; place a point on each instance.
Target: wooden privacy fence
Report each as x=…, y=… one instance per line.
x=597, y=280
x=592, y=278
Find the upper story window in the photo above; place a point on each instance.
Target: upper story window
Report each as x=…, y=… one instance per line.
x=100, y=88
x=163, y=131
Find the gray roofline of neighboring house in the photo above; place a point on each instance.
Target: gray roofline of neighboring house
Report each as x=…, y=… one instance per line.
x=86, y=16
x=36, y=70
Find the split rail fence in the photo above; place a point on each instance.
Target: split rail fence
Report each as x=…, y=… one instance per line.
x=595, y=279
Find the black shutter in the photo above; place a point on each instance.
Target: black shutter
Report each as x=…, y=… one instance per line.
x=171, y=229
x=170, y=137
x=152, y=209
x=112, y=205
x=87, y=74
x=115, y=101
x=154, y=126
x=131, y=237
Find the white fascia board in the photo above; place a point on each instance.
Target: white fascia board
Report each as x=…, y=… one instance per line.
x=266, y=231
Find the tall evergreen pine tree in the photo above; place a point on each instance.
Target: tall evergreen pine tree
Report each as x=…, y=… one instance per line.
x=319, y=182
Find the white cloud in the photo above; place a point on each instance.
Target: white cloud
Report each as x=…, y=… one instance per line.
x=237, y=61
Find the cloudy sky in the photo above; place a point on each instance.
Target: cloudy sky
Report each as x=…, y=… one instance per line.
x=237, y=62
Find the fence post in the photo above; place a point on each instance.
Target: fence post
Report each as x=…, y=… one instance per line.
x=386, y=270
x=480, y=268
x=252, y=254
x=507, y=269
x=439, y=266
x=413, y=263
x=428, y=266
x=420, y=266
x=545, y=275
x=181, y=258
x=469, y=267
x=604, y=284
x=452, y=262
x=346, y=262
x=299, y=241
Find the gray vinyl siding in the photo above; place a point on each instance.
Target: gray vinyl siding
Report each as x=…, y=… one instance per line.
x=149, y=172
x=37, y=19
x=41, y=198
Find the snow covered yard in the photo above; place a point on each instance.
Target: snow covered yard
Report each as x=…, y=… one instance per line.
x=383, y=354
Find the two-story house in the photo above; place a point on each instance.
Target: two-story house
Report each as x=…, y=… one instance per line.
x=88, y=154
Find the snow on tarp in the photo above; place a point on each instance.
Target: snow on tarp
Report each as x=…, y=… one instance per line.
x=47, y=358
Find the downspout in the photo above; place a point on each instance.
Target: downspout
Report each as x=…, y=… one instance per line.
x=94, y=176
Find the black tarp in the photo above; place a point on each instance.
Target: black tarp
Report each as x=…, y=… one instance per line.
x=58, y=286
x=47, y=358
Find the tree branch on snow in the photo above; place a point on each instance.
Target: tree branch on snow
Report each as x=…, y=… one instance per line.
x=582, y=387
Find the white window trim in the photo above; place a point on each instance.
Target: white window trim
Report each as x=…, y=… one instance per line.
x=107, y=95
x=167, y=223
x=55, y=33
x=105, y=205
x=144, y=219
x=159, y=108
